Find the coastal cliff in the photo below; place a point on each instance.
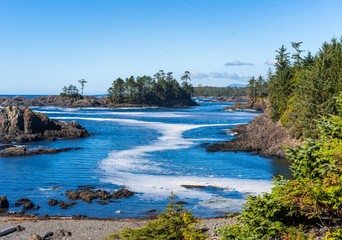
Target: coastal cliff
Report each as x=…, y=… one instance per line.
x=262, y=136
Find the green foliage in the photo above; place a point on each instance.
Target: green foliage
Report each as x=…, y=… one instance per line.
x=304, y=90
x=70, y=91
x=161, y=90
x=256, y=88
x=175, y=223
x=82, y=82
x=334, y=234
x=260, y=219
x=309, y=201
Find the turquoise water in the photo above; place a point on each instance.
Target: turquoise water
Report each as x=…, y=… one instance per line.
x=152, y=151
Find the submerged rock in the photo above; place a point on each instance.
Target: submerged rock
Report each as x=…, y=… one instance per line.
x=62, y=204
x=25, y=203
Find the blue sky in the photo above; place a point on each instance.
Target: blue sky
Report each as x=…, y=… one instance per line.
x=47, y=44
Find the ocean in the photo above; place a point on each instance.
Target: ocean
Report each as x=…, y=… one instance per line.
x=151, y=151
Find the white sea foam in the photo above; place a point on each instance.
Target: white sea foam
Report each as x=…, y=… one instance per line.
x=133, y=168
x=134, y=114
x=162, y=185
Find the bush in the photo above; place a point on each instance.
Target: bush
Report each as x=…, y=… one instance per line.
x=306, y=207
x=175, y=223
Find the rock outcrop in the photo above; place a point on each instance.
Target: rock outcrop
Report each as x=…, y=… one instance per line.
x=87, y=194
x=261, y=136
x=20, y=124
x=4, y=202
x=19, y=151
x=259, y=105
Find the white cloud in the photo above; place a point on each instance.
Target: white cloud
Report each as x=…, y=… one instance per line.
x=271, y=62
x=199, y=75
x=220, y=75
x=238, y=63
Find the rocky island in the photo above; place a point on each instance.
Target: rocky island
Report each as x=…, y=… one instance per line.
x=21, y=125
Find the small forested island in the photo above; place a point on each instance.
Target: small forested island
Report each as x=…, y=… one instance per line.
x=161, y=90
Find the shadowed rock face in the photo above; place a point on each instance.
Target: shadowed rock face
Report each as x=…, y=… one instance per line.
x=262, y=136
x=20, y=124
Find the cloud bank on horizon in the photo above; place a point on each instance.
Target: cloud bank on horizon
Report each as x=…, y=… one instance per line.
x=220, y=75
x=238, y=63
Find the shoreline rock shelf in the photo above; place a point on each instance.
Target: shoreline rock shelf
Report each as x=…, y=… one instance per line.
x=261, y=136
x=20, y=151
x=72, y=102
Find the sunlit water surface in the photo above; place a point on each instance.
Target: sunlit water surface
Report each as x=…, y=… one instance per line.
x=151, y=151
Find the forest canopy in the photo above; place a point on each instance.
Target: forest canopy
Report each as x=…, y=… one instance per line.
x=162, y=90
x=305, y=93
x=304, y=88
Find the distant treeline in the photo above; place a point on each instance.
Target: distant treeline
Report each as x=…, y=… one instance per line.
x=207, y=91
x=162, y=90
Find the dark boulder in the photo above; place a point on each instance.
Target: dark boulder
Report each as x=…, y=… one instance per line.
x=122, y=193
x=65, y=205
x=53, y=202
x=4, y=202
x=73, y=195
x=62, y=204
x=25, y=203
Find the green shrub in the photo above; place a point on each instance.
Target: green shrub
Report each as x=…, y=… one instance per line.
x=296, y=208
x=175, y=223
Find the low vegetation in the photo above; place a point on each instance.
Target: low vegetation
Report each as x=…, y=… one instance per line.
x=308, y=206
x=72, y=91
x=175, y=223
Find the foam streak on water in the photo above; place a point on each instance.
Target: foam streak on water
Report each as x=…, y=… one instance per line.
x=134, y=169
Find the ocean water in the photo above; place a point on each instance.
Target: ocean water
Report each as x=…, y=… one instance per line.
x=151, y=151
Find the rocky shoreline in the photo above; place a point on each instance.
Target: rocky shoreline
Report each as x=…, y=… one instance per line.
x=31, y=227
x=20, y=151
x=22, y=125
x=86, y=194
x=68, y=228
x=72, y=102
x=262, y=136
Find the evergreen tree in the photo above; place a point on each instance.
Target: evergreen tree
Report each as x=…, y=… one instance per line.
x=82, y=82
x=280, y=84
